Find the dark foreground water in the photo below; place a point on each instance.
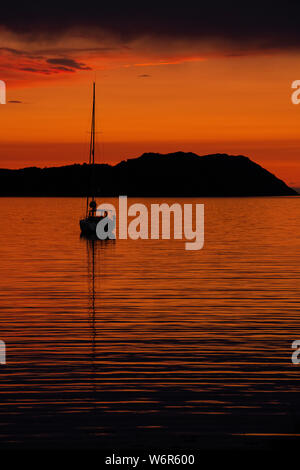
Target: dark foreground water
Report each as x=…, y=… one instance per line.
x=133, y=344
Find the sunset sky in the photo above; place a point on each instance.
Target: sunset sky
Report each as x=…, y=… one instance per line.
x=207, y=79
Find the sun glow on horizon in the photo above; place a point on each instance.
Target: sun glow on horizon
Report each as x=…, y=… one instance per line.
x=146, y=102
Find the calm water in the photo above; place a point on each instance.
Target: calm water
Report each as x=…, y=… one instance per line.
x=141, y=343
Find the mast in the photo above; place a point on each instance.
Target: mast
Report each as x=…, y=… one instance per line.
x=92, y=153
x=93, y=143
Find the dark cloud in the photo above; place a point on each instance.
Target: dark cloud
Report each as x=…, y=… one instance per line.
x=258, y=24
x=34, y=62
x=77, y=50
x=15, y=101
x=36, y=70
x=11, y=50
x=68, y=63
x=20, y=53
x=61, y=69
x=144, y=75
x=29, y=69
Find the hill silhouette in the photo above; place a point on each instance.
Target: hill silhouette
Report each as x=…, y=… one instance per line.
x=152, y=174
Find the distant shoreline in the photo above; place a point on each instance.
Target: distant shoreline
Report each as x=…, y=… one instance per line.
x=150, y=175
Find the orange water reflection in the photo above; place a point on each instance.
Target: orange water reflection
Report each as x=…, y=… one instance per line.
x=132, y=343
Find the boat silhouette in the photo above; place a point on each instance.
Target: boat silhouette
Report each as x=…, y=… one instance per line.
x=88, y=225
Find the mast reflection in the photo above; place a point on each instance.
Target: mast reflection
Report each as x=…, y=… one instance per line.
x=94, y=247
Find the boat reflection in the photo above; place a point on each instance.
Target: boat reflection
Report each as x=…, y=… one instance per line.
x=94, y=247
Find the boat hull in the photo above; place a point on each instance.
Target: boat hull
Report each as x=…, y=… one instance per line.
x=88, y=227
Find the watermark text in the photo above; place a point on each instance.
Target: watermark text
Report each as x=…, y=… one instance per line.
x=2, y=352
x=153, y=223
x=2, y=92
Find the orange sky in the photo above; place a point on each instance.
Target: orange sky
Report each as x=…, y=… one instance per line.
x=148, y=99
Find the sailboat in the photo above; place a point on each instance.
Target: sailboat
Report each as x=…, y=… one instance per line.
x=89, y=224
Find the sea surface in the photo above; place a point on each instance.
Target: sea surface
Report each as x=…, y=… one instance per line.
x=139, y=344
